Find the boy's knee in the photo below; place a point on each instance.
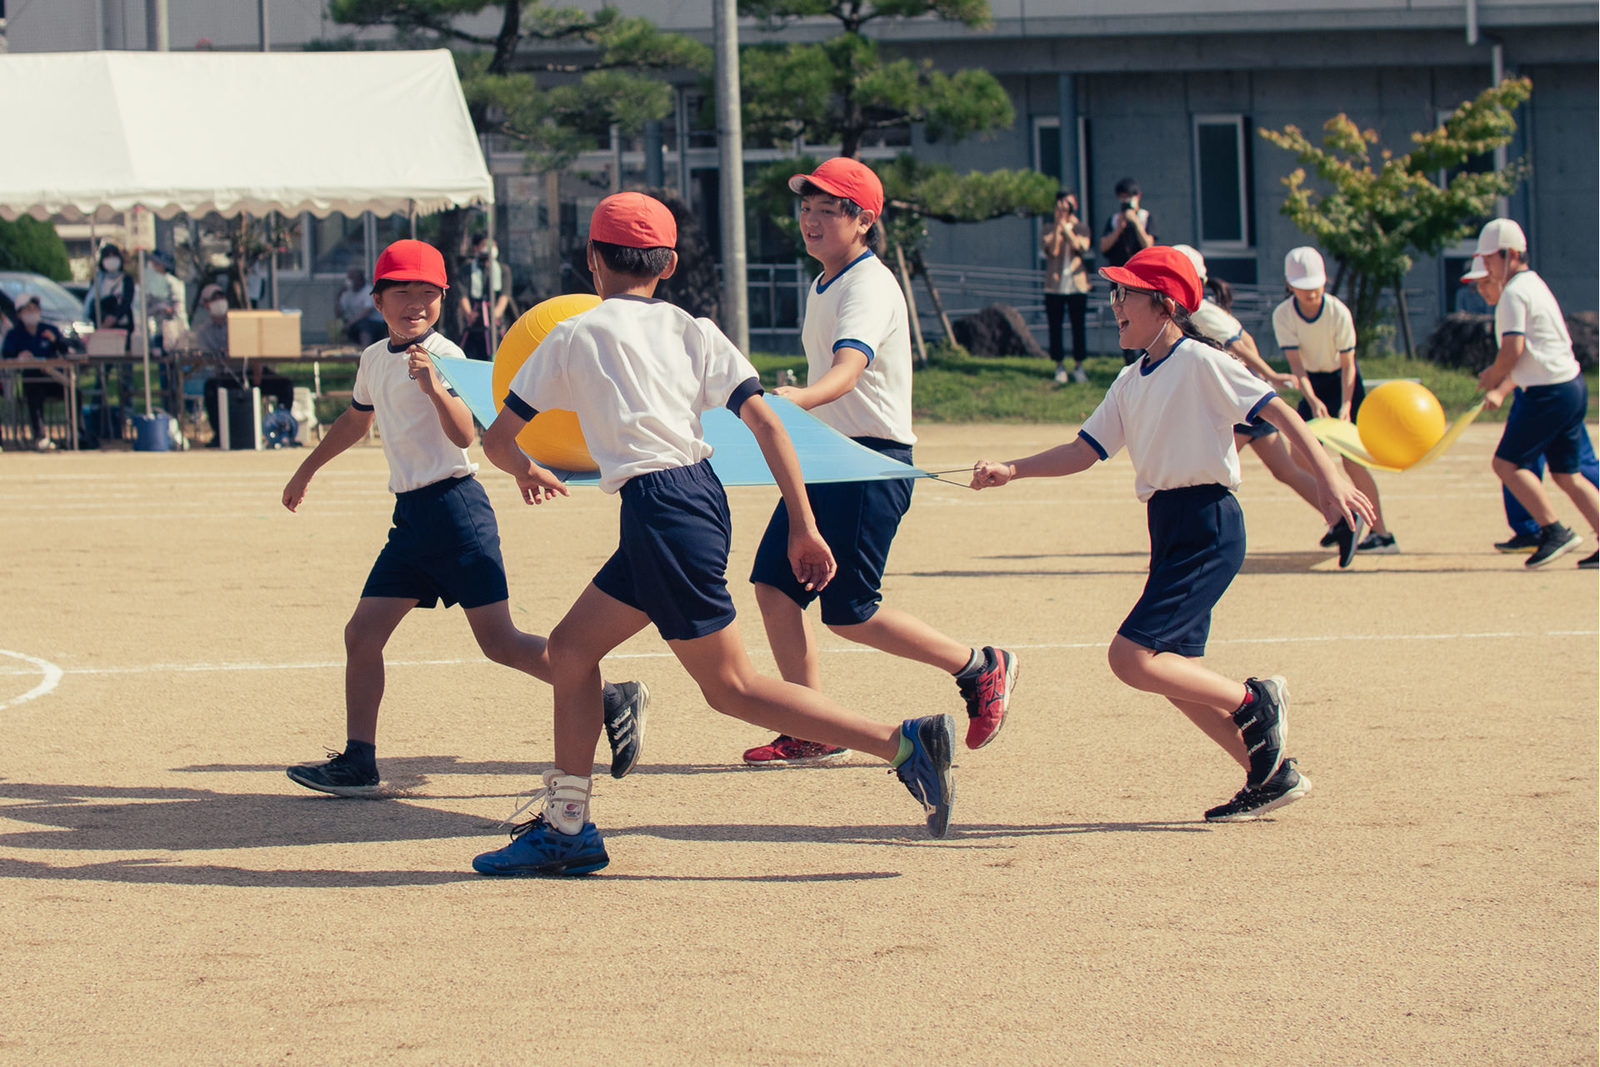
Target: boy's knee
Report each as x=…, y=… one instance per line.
x=1126, y=660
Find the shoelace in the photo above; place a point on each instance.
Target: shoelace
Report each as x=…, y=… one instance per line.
x=517, y=829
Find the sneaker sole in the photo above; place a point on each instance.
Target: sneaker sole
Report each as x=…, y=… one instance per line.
x=336, y=790
x=1011, y=681
x=1301, y=789
x=806, y=761
x=1280, y=693
x=578, y=866
x=638, y=729
x=1520, y=550
x=1557, y=554
x=942, y=752
x=1381, y=550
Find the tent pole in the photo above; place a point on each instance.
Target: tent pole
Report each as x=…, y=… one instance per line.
x=144, y=334
x=493, y=275
x=411, y=213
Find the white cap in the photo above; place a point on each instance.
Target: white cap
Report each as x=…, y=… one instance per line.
x=1499, y=234
x=1476, y=271
x=26, y=297
x=1196, y=258
x=1303, y=269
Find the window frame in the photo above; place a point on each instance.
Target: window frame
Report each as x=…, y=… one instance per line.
x=1241, y=125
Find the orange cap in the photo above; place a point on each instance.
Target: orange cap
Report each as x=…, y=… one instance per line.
x=633, y=220
x=846, y=178
x=410, y=261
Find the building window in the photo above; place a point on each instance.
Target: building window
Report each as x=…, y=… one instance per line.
x=1047, y=155
x=1222, y=180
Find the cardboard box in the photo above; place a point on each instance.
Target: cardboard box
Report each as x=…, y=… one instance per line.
x=105, y=342
x=263, y=333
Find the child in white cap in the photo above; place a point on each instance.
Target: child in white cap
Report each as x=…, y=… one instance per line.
x=1547, y=419
x=1318, y=335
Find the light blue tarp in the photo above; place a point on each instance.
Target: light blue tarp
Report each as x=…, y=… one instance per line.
x=826, y=455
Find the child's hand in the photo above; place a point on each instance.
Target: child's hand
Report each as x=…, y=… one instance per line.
x=986, y=473
x=420, y=368
x=811, y=559
x=1284, y=381
x=1497, y=396
x=1319, y=410
x=1342, y=500
x=1344, y=412
x=788, y=392
x=539, y=485
x=295, y=491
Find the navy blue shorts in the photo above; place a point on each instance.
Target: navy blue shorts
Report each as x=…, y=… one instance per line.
x=858, y=520
x=445, y=546
x=671, y=560
x=1547, y=420
x=1255, y=429
x=1196, y=547
x=1329, y=387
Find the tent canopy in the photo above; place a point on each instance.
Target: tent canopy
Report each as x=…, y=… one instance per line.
x=233, y=132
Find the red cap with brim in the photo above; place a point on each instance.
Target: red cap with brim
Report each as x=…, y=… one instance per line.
x=410, y=261
x=1163, y=269
x=633, y=220
x=846, y=178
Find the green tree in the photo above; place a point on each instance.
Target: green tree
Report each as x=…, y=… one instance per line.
x=28, y=244
x=551, y=102
x=1376, y=213
x=845, y=90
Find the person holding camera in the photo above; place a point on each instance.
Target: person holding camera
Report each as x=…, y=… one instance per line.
x=1129, y=231
x=1066, y=283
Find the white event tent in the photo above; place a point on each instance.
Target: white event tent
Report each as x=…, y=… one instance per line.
x=238, y=132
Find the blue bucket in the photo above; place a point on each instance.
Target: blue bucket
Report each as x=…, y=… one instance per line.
x=151, y=432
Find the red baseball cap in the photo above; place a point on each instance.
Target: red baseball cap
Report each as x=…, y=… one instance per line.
x=410, y=261
x=849, y=179
x=1163, y=269
x=633, y=220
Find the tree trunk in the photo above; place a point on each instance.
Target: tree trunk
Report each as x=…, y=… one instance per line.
x=911, y=307
x=921, y=267
x=1405, y=316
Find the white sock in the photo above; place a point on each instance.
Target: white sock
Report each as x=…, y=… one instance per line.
x=566, y=802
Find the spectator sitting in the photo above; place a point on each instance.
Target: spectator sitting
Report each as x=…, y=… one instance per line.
x=31, y=339
x=363, y=325
x=209, y=334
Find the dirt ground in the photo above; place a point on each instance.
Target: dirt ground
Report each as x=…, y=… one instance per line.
x=171, y=639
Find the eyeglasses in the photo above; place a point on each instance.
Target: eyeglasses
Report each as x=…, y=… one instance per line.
x=1119, y=292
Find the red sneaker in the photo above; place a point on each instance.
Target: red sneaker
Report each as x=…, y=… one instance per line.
x=988, y=696
x=787, y=751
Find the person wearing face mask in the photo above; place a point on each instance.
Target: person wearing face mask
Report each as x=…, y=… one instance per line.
x=476, y=307
x=31, y=339
x=1174, y=410
x=111, y=303
x=209, y=335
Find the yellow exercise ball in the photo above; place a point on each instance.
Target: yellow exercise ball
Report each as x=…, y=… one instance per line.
x=554, y=438
x=1399, y=422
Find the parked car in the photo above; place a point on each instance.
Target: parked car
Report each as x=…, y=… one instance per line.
x=56, y=305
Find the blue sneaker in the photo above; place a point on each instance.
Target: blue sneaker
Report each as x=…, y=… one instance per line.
x=926, y=772
x=539, y=848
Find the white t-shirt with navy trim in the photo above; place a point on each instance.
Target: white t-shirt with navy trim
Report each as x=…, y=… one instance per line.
x=414, y=440
x=862, y=307
x=1527, y=306
x=1322, y=338
x=1215, y=323
x=1176, y=417
x=639, y=373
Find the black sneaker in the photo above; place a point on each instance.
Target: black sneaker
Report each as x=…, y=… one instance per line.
x=1522, y=542
x=1379, y=544
x=1347, y=537
x=1555, y=540
x=624, y=706
x=1247, y=805
x=339, y=776
x=1264, y=722
x=1589, y=562
x=1329, y=539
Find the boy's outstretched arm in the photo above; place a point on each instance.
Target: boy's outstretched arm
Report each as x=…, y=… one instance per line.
x=1340, y=499
x=351, y=426
x=1074, y=456
x=809, y=554
x=500, y=445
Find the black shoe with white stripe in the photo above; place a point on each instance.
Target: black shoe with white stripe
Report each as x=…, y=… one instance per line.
x=1247, y=805
x=1264, y=722
x=625, y=704
x=341, y=776
x=1555, y=541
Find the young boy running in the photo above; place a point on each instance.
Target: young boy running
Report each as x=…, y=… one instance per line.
x=445, y=544
x=858, y=366
x=639, y=372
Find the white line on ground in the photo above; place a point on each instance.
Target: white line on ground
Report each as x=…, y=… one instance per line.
x=52, y=677
x=315, y=665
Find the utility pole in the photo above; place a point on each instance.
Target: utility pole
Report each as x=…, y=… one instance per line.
x=155, y=26
x=730, y=150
